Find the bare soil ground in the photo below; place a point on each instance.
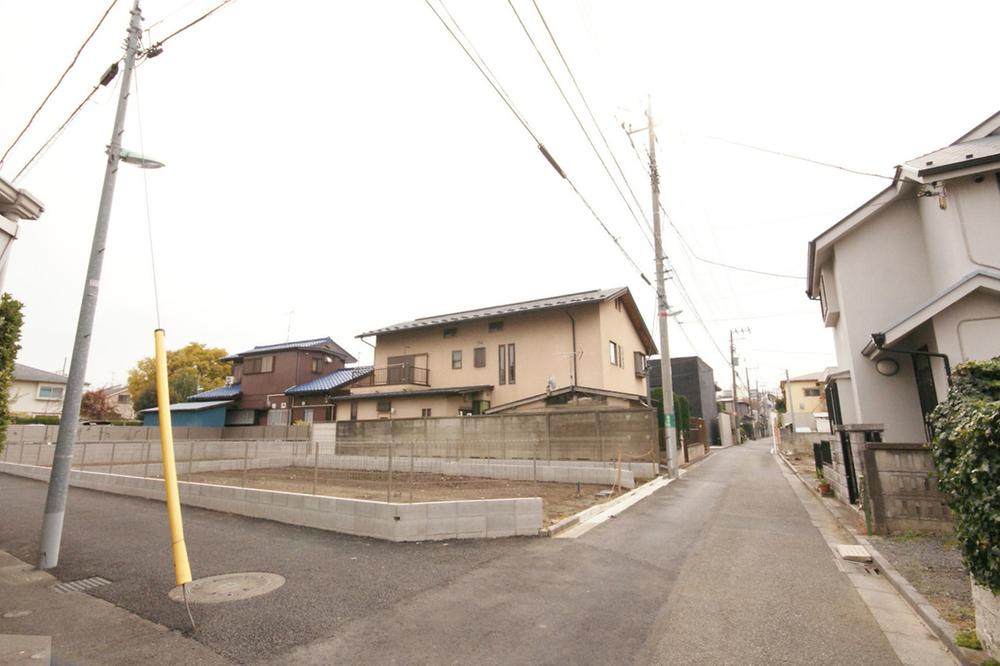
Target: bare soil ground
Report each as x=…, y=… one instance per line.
x=933, y=565
x=558, y=499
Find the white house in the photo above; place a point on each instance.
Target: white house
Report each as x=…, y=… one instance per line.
x=36, y=392
x=910, y=283
x=15, y=205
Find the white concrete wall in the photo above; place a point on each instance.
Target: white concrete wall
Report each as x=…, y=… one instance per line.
x=420, y=521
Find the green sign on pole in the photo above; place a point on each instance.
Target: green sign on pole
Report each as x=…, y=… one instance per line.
x=670, y=421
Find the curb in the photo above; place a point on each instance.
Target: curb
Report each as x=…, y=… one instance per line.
x=941, y=628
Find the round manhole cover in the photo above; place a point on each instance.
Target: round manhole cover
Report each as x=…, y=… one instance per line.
x=228, y=587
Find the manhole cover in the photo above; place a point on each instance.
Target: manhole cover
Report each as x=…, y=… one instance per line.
x=228, y=587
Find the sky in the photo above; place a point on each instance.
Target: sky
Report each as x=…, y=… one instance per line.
x=335, y=167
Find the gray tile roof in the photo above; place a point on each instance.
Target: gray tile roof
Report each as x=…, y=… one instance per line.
x=191, y=406
x=26, y=373
x=332, y=381
x=957, y=156
x=579, y=298
x=218, y=393
x=319, y=344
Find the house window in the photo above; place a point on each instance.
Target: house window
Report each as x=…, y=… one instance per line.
x=451, y=332
x=383, y=406
x=811, y=392
x=640, y=364
x=496, y=326
x=124, y=398
x=354, y=410
x=510, y=363
x=259, y=365
x=502, y=363
x=479, y=357
x=50, y=392
x=317, y=365
x=615, y=354
x=425, y=413
x=456, y=359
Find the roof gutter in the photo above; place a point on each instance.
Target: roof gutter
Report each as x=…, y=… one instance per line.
x=810, y=266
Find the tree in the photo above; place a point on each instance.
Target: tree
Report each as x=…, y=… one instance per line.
x=96, y=406
x=11, y=320
x=682, y=409
x=190, y=369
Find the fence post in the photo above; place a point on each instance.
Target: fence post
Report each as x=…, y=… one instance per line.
x=83, y=458
x=315, y=447
x=391, y=444
x=145, y=462
x=503, y=437
x=534, y=466
x=246, y=455
x=600, y=434
x=413, y=443
x=20, y=453
x=548, y=434
x=111, y=463
x=190, y=458
x=38, y=452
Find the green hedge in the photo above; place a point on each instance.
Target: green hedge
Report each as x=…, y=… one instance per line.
x=966, y=450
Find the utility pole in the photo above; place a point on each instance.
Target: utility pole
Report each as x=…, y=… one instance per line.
x=736, y=409
x=666, y=376
x=55, y=502
x=788, y=399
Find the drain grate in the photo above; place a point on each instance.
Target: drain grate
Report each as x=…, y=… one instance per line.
x=81, y=585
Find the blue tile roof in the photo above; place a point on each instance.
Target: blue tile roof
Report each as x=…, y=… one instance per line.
x=331, y=381
x=220, y=393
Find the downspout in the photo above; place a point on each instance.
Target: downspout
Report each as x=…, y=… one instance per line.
x=572, y=381
x=879, y=340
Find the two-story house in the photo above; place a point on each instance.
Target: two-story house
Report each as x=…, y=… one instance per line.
x=261, y=377
x=36, y=392
x=803, y=402
x=587, y=348
x=910, y=283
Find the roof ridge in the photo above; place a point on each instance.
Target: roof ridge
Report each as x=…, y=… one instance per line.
x=507, y=305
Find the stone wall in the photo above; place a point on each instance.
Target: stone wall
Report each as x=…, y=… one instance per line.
x=987, y=619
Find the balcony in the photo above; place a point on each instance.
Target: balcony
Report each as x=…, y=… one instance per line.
x=396, y=374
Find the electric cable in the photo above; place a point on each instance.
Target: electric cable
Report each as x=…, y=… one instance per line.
x=541, y=146
x=801, y=158
x=155, y=49
x=579, y=122
x=145, y=187
x=59, y=82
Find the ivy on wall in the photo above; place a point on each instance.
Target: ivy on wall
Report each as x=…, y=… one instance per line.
x=966, y=451
x=11, y=320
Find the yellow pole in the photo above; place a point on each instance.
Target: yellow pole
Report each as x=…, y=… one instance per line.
x=182, y=570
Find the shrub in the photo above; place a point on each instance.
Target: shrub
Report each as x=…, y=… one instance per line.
x=966, y=451
x=11, y=320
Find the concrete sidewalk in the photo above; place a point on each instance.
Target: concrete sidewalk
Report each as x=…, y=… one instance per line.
x=37, y=624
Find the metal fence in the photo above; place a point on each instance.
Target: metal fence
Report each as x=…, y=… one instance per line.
x=396, y=469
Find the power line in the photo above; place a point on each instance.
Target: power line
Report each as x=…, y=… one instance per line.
x=803, y=159
x=590, y=112
x=155, y=49
x=56, y=86
x=109, y=75
x=579, y=122
x=541, y=146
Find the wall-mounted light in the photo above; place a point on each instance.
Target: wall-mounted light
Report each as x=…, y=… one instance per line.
x=887, y=367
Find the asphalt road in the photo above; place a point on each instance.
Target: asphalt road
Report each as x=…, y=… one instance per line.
x=721, y=567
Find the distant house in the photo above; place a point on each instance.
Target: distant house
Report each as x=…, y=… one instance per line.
x=804, y=403
x=205, y=414
x=256, y=393
x=120, y=401
x=910, y=284
x=695, y=380
x=36, y=392
x=562, y=352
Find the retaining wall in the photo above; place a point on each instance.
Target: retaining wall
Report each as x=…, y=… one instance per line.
x=902, y=484
x=420, y=521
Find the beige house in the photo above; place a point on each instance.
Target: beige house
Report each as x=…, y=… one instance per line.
x=910, y=284
x=584, y=349
x=36, y=392
x=803, y=402
x=120, y=401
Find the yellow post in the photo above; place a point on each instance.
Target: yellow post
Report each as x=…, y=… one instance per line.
x=182, y=570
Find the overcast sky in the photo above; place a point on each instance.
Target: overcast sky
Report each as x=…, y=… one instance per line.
x=346, y=163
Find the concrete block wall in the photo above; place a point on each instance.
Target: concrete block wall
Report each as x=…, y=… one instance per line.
x=41, y=433
x=421, y=521
x=903, y=485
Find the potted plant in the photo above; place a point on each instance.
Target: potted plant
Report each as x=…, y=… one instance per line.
x=824, y=485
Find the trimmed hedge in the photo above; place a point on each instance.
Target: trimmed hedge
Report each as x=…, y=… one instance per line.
x=966, y=451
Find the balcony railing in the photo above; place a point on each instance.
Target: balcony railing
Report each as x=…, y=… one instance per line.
x=396, y=374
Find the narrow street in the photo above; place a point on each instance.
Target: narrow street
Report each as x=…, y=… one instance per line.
x=724, y=566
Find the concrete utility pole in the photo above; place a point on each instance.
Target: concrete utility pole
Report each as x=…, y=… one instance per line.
x=736, y=409
x=666, y=376
x=55, y=502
